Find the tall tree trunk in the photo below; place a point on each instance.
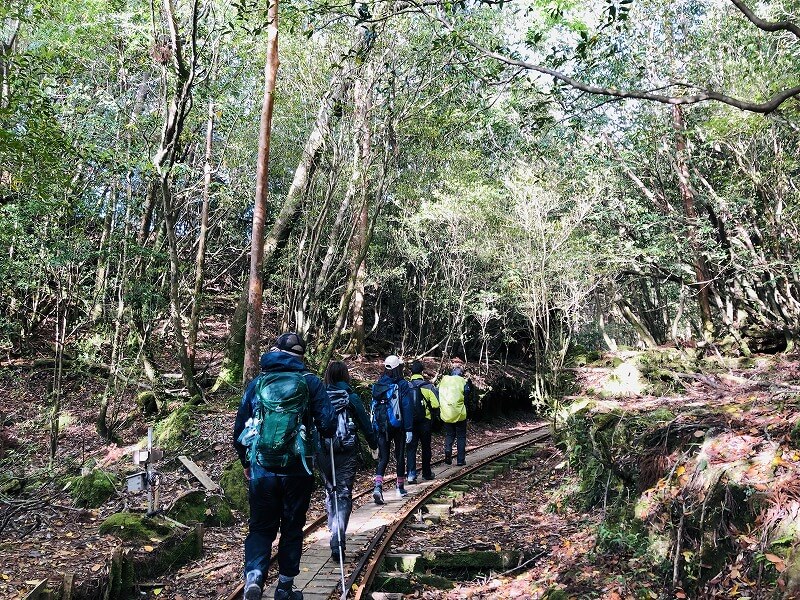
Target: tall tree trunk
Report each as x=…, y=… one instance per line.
x=178, y=106
x=362, y=95
x=344, y=303
x=256, y=286
x=199, y=268
x=101, y=424
x=101, y=274
x=176, y=318
x=702, y=280
x=6, y=49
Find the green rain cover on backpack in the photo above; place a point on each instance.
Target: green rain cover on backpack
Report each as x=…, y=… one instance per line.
x=280, y=403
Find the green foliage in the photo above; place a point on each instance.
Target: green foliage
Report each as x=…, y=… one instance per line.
x=622, y=536
x=795, y=434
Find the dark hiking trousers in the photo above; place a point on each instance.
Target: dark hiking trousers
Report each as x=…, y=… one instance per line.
x=277, y=502
x=457, y=432
x=384, y=440
x=346, y=464
x=422, y=437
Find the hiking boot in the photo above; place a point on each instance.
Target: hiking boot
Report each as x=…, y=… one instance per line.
x=284, y=591
x=252, y=586
x=412, y=479
x=448, y=460
x=335, y=554
x=377, y=495
x=401, y=492
x=460, y=464
x=429, y=476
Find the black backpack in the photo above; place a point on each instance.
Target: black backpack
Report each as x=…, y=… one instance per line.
x=345, y=436
x=420, y=402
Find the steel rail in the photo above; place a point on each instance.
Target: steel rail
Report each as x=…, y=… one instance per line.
x=371, y=569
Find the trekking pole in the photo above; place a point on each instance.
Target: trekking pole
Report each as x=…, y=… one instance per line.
x=339, y=534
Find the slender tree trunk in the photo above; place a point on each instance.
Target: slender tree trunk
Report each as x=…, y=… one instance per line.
x=101, y=275
x=255, y=295
x=62, y=310
x=101, y=424
x=687, y=196
x=194, y=319
x=363, y=142
x=176, y=319
x=178, y=106
x=6, y=49
x=639, y=326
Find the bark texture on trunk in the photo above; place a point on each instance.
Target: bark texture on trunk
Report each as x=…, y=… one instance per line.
x=702, y=280
x=256, y=285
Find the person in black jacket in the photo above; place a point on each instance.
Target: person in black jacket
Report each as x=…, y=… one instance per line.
x=426, y=409
x=345, y=454
x=279, y=496
x=387, y=432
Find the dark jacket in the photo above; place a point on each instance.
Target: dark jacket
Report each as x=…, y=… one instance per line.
x=319, y=405
x=430, y=394
x=407, y=394
x=356, y=410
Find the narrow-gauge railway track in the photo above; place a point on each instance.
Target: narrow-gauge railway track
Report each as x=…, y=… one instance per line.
x=371, y=559
x=371, y=568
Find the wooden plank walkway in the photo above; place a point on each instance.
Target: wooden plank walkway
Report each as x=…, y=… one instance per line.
x=319, y=573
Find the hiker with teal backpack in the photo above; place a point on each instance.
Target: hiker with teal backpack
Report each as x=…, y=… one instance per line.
x=393, y=422
x=272, y=438
x=351, y=417
x=426, y=410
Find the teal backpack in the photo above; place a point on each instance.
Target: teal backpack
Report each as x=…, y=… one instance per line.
x=280, y=403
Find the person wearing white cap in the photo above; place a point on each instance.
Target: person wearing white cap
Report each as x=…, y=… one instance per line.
x=393, y=421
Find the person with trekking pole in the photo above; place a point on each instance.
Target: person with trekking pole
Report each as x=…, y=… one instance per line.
x=338, y=455
x=272, y=438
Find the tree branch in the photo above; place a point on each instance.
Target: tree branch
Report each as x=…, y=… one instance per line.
x=766, y=25
x=766, y=107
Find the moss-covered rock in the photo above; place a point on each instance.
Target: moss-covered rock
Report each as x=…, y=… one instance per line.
x=197, y=507
x=795, y=434
x=93, y=489
x=147, y=402
x=174, y=431
x=435, y=581
x=11, y=484
x=394, y=582
x=235, y=486
x=134, y=527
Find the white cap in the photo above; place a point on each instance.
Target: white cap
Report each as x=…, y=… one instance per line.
x=392, y=362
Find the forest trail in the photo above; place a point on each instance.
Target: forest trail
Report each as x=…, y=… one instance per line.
x=740, y=422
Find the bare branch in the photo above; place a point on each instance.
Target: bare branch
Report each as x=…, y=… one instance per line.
x=766, y=25
x=699, y=96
